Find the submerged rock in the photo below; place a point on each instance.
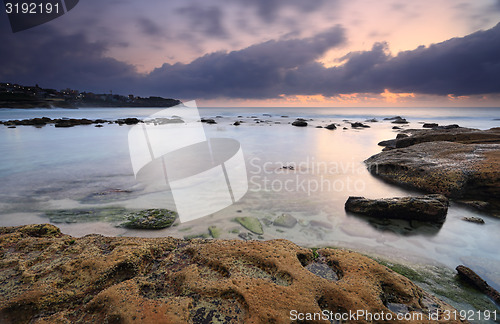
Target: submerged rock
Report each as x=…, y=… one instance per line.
x=50, y=277
x=285, y=220
x=251, y=223
x=331, y=127
x=151, y=219
x=423, y=208
x=214, y=231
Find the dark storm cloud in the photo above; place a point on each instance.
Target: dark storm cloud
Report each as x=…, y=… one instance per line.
x=208, y=20
x=254, y=72
x=459, y=66
x=44, y=56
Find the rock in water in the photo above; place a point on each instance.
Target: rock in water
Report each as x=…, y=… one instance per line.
x=471, y=277
x=460, y=171
x=300, y=123
x=285, y=220
x=251, y=223
x=49, y=277
x=424, y=208
x=331, y=127
x=151, y=219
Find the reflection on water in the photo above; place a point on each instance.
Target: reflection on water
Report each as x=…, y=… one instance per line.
x=86, y=167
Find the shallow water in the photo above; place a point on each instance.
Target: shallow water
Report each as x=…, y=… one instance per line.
x=49, y=169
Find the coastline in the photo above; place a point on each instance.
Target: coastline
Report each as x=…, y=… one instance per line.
x=392, y=264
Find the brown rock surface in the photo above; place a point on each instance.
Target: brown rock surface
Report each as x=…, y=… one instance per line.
x=48, y=277
x=462, y=171
x=458, y=135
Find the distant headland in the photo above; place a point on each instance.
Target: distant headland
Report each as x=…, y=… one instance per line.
x=19, y=96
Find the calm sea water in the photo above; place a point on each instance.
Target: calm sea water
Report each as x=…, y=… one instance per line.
x=44, y=169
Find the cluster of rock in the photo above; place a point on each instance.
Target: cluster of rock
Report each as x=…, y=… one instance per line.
x=67, y=122
x=460, y=163
x=48, y=277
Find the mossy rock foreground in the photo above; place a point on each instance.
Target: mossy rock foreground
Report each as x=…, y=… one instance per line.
x=49, y=277
x=150, y=219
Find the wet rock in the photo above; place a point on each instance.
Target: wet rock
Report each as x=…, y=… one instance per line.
x=396, y=127
x=299, y=123
x=423, y=208
x=459, y=171
x=388, y=143
x=457, y=135
x=151, y=219
x=345, y=128
x=393, y=118
x=331, y=127
x=129, y=121
x=476, y=220
x=373, y=120
x=251, y=223
x=56, y=278
x=400, y=121
x=359, y=125
x=471, y=277
x=430, y=125
x=285, y=220
x=401, y=135
x=319, y=126
x=214, y=231
x=208, y=121
x=86, y=215
x=237, y=123
x=322, y=224
x=196, y=236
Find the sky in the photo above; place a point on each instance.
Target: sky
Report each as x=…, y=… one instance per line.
x=300, y=53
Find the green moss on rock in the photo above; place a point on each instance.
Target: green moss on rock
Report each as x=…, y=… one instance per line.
x=151, y=219
x=251, y=223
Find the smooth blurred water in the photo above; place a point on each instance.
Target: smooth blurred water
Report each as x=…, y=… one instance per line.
x=60, y=168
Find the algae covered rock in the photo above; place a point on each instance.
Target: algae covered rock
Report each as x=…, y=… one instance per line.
x=151, y=219
x=214, y=231
x=251, y=223
x=285, y=220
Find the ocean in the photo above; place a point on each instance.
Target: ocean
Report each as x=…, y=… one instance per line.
x=49, y=169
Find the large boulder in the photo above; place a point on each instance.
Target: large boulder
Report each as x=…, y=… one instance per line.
x=450, y=134
x=48, y=277
x=424, y=208
x=466, y=172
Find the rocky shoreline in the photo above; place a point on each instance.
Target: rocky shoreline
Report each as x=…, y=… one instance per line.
x=460, y=163
x=50, y=277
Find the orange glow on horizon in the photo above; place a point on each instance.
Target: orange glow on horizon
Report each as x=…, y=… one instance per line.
x=396, y=97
